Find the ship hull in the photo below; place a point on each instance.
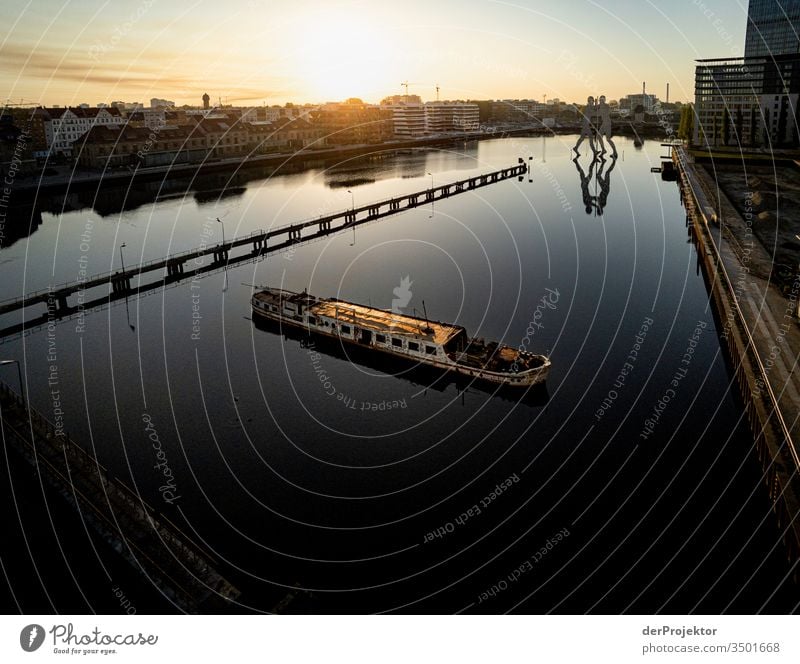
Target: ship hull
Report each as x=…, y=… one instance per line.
x=514, y=380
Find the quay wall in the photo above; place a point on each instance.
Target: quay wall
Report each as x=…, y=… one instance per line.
x=773, y=444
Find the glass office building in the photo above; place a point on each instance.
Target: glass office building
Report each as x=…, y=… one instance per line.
x=773, y=28
x=748, y=102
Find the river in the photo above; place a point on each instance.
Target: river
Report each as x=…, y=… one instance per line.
x=629, y=485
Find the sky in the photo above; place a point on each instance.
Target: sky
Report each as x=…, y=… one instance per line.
x=253, y=52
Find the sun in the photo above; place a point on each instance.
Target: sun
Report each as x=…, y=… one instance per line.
x=342, y=56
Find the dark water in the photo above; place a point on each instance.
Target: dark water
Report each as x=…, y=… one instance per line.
x=375, y=488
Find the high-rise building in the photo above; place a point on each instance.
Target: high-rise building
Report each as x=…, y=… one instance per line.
x=773, y=28
x=748, y=102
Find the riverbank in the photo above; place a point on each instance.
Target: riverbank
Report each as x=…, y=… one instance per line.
x=74, y=179
x=77, y=179
x=761, y=332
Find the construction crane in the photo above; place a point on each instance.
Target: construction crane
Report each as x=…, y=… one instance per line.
x=437, y=92
x=405, y=85
x=22, y=102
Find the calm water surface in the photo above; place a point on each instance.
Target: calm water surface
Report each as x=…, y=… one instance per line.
x=629, y=485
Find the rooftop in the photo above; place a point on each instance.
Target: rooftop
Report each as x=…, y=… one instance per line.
x=379, y=320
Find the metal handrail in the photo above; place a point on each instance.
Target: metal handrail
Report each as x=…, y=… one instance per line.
x=751, y=343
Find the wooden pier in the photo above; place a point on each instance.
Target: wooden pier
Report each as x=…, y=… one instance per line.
x=181, y=265
x=177, y=566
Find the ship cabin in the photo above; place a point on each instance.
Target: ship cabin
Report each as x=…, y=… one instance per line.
x=384, y=330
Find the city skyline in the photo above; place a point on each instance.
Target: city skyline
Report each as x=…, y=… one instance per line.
x=254, y=53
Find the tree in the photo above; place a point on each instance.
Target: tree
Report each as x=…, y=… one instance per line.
x=686, y=124
x=796, y=129
x=726, y=127
x=782, y=118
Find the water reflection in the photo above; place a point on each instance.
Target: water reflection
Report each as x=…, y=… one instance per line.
x=110, y=199
x=421, y=375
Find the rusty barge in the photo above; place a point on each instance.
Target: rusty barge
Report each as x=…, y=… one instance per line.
x=444, y=346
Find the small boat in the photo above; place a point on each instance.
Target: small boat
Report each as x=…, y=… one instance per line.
x=441, y=345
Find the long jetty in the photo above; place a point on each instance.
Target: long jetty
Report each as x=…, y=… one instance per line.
x=176, y=267
x=178, y=567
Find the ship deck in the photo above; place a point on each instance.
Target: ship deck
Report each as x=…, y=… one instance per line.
x=381, y=321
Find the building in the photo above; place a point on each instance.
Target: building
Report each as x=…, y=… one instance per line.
x=206, y=101
x=773, y=28
x=155, y=102
x=354, y=123
x=152, y=118
x=520, y=111
x=393, y=100
x=408, y=119
x=747, y=102
x=122, y=146
x=64, y=126
x=32, y=121
x=447, y=116
x=646, y=101
x=198, y=140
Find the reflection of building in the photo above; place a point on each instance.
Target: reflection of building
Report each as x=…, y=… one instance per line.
x=747, y=101
x=773, y=28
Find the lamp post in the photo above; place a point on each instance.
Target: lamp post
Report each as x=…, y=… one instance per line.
x=19, y=374
x=353, y=219
x=431, y=174
x=121, y=258
x=223, y=229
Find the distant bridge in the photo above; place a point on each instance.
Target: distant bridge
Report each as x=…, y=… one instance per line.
x=180, y=266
